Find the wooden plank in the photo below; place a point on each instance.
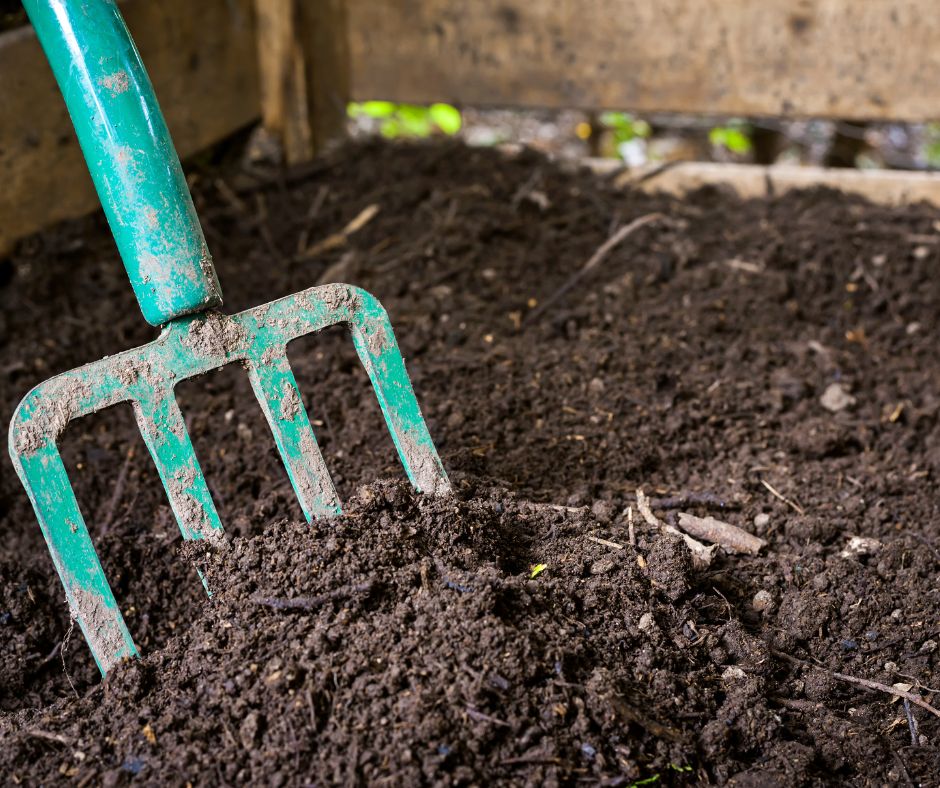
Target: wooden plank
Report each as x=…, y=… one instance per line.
x=283, y=79
x=851, y=59
x=325, y=26
x=201, y=58
x=884, y=187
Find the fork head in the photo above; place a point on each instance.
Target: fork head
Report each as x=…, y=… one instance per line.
x=146, y=377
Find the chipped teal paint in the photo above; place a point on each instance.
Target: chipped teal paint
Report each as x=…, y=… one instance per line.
x=146, y=377
x=130, y=155
x=277, y=393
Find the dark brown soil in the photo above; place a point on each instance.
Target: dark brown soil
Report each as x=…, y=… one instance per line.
x=407, y=643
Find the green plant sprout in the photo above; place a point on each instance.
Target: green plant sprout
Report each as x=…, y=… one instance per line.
x=409, y=120
x=932, y=146
x=536, y=570
x=625, y=127
x=734, y=137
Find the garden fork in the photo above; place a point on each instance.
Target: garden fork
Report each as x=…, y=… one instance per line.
x=140, y=183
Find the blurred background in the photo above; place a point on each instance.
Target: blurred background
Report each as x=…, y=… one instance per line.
x=792, y=84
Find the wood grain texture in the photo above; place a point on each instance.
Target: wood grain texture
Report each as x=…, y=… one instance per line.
x=884, y=187
x=326, y=29
x=852, y=59
x=285, y=103
x=202, y=60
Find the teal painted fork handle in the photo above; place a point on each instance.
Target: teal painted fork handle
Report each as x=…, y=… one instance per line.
x=130, y=155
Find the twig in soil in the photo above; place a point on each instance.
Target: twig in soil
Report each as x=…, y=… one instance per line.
x=727, y=603
x=303, y=240
x=900, y=761
x=555, y=507
x=707, y=499
x=911, y=722
x=593, y=262
x=228, y=194
x=631, y=530
x=701, y=555
x=107, y=517
x=777, y=494
x=523, y=191
x=605, y=542
x=867, y=683
x=729, y=536
x=65, y=645
x=795, y=704
x=365, y=216
x=46, y=736
x=313, y=602
x=479, y=716
x=627, y=712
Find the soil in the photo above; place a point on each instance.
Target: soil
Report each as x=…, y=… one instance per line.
x=418, y=640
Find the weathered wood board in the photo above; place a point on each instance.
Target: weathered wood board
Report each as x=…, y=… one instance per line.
x=850, y=59
x=202, y=60
x=885, y=187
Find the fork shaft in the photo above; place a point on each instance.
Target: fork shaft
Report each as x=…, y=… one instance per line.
x=130, y=155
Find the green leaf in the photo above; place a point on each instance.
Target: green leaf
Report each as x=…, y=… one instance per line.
x=536, y=570
x=624, y=126
x=391, y=128
x=734, y=139
x=932, y=146
x=378, y=109
x=645, y=781
x=614, y=119
x=446, y=118
x=415, y=121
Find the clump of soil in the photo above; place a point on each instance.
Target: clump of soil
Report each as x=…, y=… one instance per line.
x=403, y=643
x=408, y=642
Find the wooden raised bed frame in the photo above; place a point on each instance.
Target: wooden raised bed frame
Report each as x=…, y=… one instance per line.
x=872, y=60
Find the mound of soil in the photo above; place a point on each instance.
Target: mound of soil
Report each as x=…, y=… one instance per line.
x=769, y=363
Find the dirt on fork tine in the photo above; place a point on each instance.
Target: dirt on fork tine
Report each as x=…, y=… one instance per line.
x=484, y=638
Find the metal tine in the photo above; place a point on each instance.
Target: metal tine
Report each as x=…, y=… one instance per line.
x=90, y=598
x=276, y=391
x=164, y=432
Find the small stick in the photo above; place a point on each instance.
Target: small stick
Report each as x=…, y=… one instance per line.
x=729, y=536
x=107, y=516
x=45, y=735
x=631, y=531
x=911, y=722
x=236, y=202
x=555, y=507
x=303, y=240
x=311, y=602
x=690, y=499
x=365, y=216
x=595, y=260
x=479, y=716
x=776, y=494
x=804, y=706
x=701, y=554
x=605, y=542
x=868, y=683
